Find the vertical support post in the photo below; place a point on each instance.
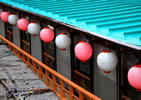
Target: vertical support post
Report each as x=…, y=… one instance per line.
x=124, y=72
x=55, y=53
x=118, y=75
x=23, y=57
x=81, y=96
x=72, y=55
x=92, y=68
x=34, y=67
x=28, y=62
x=18, y=53
x=40, y=72
x=9, y=46
x=54, y=82
x=71, y=92
x=14, y=50
x=46, y=77
x=62, y=90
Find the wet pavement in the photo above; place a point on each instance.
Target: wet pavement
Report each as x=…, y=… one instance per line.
x=20, y=77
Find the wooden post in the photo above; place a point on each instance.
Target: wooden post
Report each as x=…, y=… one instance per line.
x=9, y=46
x=23, y=57
x=62, y=89
x=46, y=77
x=28, y=62
x=71, y=92
x=81, y=96
x=18, y=54
x=34, y=67
x=54, y=82
x=40, y=72
x=14, y=50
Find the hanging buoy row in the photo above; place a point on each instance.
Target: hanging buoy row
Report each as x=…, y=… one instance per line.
x=83, y=50
x=106, y=60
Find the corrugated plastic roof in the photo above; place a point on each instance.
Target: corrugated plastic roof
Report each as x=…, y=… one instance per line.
x=119, y=20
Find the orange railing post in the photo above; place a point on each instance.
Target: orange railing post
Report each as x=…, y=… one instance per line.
x=34, y=67
x=62, y=89
x=54, y=81
x=9, y=46
x=23, y=57
x=71, y=92
x=38, y=66
x=81, y=96
x=14, y=50
x=18, y=54
x=28, y=62
x=46, y=77
x=40, y=72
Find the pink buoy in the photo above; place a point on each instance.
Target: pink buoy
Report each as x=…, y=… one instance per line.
x=23, y=24
x=4, y=16
x=47, y=34
x=134, y=78
x=83, y=51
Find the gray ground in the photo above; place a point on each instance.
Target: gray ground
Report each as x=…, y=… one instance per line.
x=11, y=67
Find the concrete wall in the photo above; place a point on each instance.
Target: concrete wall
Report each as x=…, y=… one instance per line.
x=2, y=28
x=104, y=85
x=36, y=49
x=16, y=36
x=63, y=60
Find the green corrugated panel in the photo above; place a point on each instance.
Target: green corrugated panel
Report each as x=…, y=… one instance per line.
x=117, y=19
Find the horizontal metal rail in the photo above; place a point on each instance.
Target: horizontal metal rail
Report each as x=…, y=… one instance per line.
x=63, y=87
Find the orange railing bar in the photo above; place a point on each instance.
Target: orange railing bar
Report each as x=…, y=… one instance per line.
x=27, y=58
